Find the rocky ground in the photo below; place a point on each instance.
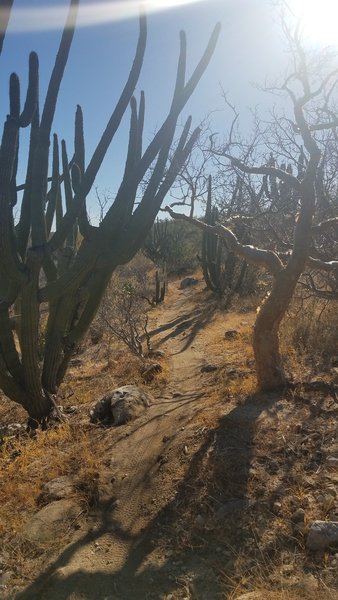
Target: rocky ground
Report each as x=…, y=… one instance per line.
x=209, y=492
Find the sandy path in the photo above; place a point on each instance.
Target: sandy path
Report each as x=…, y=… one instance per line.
x=96, y=565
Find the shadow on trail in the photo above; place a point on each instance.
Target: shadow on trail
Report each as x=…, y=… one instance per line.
x=217, y=480
x=192, y=321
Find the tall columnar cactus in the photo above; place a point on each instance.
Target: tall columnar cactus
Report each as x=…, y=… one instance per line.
x=43, y=260
x=160, y=286
x=222, y=270
x=212, y=250
x=157, y=243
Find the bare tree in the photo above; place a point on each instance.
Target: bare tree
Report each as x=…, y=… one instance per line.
x=310, y=91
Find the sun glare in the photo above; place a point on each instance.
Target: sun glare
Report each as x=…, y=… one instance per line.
x=93, y=13
x=319, y=19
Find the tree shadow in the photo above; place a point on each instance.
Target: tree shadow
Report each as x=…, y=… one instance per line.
x=192, y=551
x=192, y=321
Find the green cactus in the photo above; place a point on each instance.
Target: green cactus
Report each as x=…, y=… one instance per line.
x=43, y=259
x=160, y=286
x=212, y=250
x=222, y=270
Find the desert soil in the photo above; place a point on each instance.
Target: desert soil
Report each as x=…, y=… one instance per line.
x=185, y=498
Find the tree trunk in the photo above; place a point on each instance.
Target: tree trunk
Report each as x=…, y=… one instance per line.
x=269, y=365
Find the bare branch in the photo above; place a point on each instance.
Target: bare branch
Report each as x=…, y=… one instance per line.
x=256, y=256
x=265, y=170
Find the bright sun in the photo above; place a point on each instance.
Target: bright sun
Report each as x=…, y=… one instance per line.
x=319, y=19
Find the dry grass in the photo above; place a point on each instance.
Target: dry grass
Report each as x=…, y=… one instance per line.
x=275, y=461
x=309, y=336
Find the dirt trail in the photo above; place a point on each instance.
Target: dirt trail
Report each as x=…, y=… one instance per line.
x=95, y=565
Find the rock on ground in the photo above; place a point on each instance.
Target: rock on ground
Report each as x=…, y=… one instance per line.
x=120, y=405
x=188, y=282
x=57, y=489
x=50, y=521
x=322, y=535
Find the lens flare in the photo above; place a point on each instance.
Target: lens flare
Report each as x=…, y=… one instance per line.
x=318, y=19
x=47, y=18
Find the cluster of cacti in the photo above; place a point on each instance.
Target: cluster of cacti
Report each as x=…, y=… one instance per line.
x=212, y=250
x=281, y=193
x=156, y=244
x=222, y=269
x=43, y=260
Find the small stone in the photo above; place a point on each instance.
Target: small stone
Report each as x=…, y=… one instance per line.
x=230, y=334
x=277, y=507
x=199, y=521
x=188, y=282
x=185, y=450
x=322, y=535
x=209, y=368
x=298, y=516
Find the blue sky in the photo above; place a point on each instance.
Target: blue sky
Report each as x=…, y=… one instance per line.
x=250, y=48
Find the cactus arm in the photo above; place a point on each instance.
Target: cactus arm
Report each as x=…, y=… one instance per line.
x=7, y=345
x=49, y=268
x=70, y=238
x=140, y=125
x=14, y=98
x=133, y=139
x=12, y=266
x=143, y=217
x=98, y=282
x=54, y=190
x=32, y=91
x=58, y=209
x=75, y=206
x=57, y=326
x=181, y=67
x=181, y=96
x=190, y=86
x=29, y=329
x=118, y=112
x=84, y=262
x=79, y=159
x=13, y=196
x=58, y=69
x=122, y=208
x=40, y=169
x=10, y=387
x=152, y=199
x=23, y=227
